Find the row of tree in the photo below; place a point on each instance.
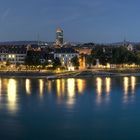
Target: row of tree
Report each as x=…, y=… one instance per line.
x=34, y=59
x=113, y=55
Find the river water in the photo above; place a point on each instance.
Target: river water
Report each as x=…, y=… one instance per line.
x=70, y=109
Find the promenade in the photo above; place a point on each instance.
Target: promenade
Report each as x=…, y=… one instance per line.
x=70, y=74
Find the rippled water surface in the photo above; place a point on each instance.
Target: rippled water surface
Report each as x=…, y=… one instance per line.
x=97, y=108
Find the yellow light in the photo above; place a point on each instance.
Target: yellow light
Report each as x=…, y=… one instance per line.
x=126, y=83
x=80, y=85
x=71, y=87
x=133, y=84
x=99, y=86
x=108, y=65
x=49, y=86
x=12, y=91
x=0, y=86
x=71, y=68
x=63, y=86
x=13, y=56
x=108, y=85
x=28, y=86
x=58, y=87
x=71, y=92
x=98, y=89
x=41, y=86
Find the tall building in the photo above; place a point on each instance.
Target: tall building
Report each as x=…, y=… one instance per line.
x=59, y=37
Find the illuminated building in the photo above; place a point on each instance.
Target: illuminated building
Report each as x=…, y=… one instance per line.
x=65, y=55
x=13, y=54
x=59, y=37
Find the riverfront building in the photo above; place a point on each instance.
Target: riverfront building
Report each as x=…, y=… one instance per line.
x=65, y=55
x=13, y=54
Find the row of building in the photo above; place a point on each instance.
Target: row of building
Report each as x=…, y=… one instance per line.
x=18, y=54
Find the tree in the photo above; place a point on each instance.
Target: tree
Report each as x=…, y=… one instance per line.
x=8, y=63
x=75, y=61
x=32, y=58
x=89, y=60
x=56, y=62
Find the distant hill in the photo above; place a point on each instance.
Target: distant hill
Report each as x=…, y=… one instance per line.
x=22, y=43
x=127, y=42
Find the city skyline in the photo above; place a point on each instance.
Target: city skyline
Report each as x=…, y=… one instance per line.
x=82, y=21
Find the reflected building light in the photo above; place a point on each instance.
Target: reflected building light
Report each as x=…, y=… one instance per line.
x=108, y=85
x=58, y=87
x=80, y=85
x=99, y=89
x=133, y=84
x=71, y=92
x=49, y=85
x=0, y=86
x=71, y=87
x=28, y=86
x=41, y=86
x=99, y=86
x=63, y=86
x=5, y=83
x=12, y=91
x=126, y=85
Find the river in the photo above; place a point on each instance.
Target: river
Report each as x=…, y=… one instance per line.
x=99, y=108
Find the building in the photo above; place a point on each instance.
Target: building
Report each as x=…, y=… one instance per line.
x=13, y=54
x=59, y=37
x=84, y=50
x=130, y=47
x=65, y=55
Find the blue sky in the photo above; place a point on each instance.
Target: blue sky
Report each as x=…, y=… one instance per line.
x=82, y=20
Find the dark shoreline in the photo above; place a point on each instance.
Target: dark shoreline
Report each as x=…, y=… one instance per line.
x=53, y=75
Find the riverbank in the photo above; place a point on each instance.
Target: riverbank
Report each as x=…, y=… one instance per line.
x=36, y=74
x=71, y=74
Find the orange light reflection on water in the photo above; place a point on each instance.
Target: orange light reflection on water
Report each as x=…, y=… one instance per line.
x=41, y=87
x=126, y=85
x=81, y=85
x=12, y=92
x=71, y=92
x=28, y=86
x=108, y=85
x=133, y=84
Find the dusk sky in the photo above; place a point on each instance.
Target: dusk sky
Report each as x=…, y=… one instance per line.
x=82, y=20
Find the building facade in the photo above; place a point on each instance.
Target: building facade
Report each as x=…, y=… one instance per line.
x=59, y=37
x=65, y=55
x=13, y=54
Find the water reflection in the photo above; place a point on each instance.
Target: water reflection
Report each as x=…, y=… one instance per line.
x=41, y=87
x=28, y=86
x=126, y=85
x=58, y=87
x=71, y=92
x=49, y=86
x=99, y=86
x=67, y=88
x=133, y=84
x=80, y=85
x=129, y=84
x=99, y=89
x=12, y=91
x=63, y=86
x=0, y=87
x=108, y=85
